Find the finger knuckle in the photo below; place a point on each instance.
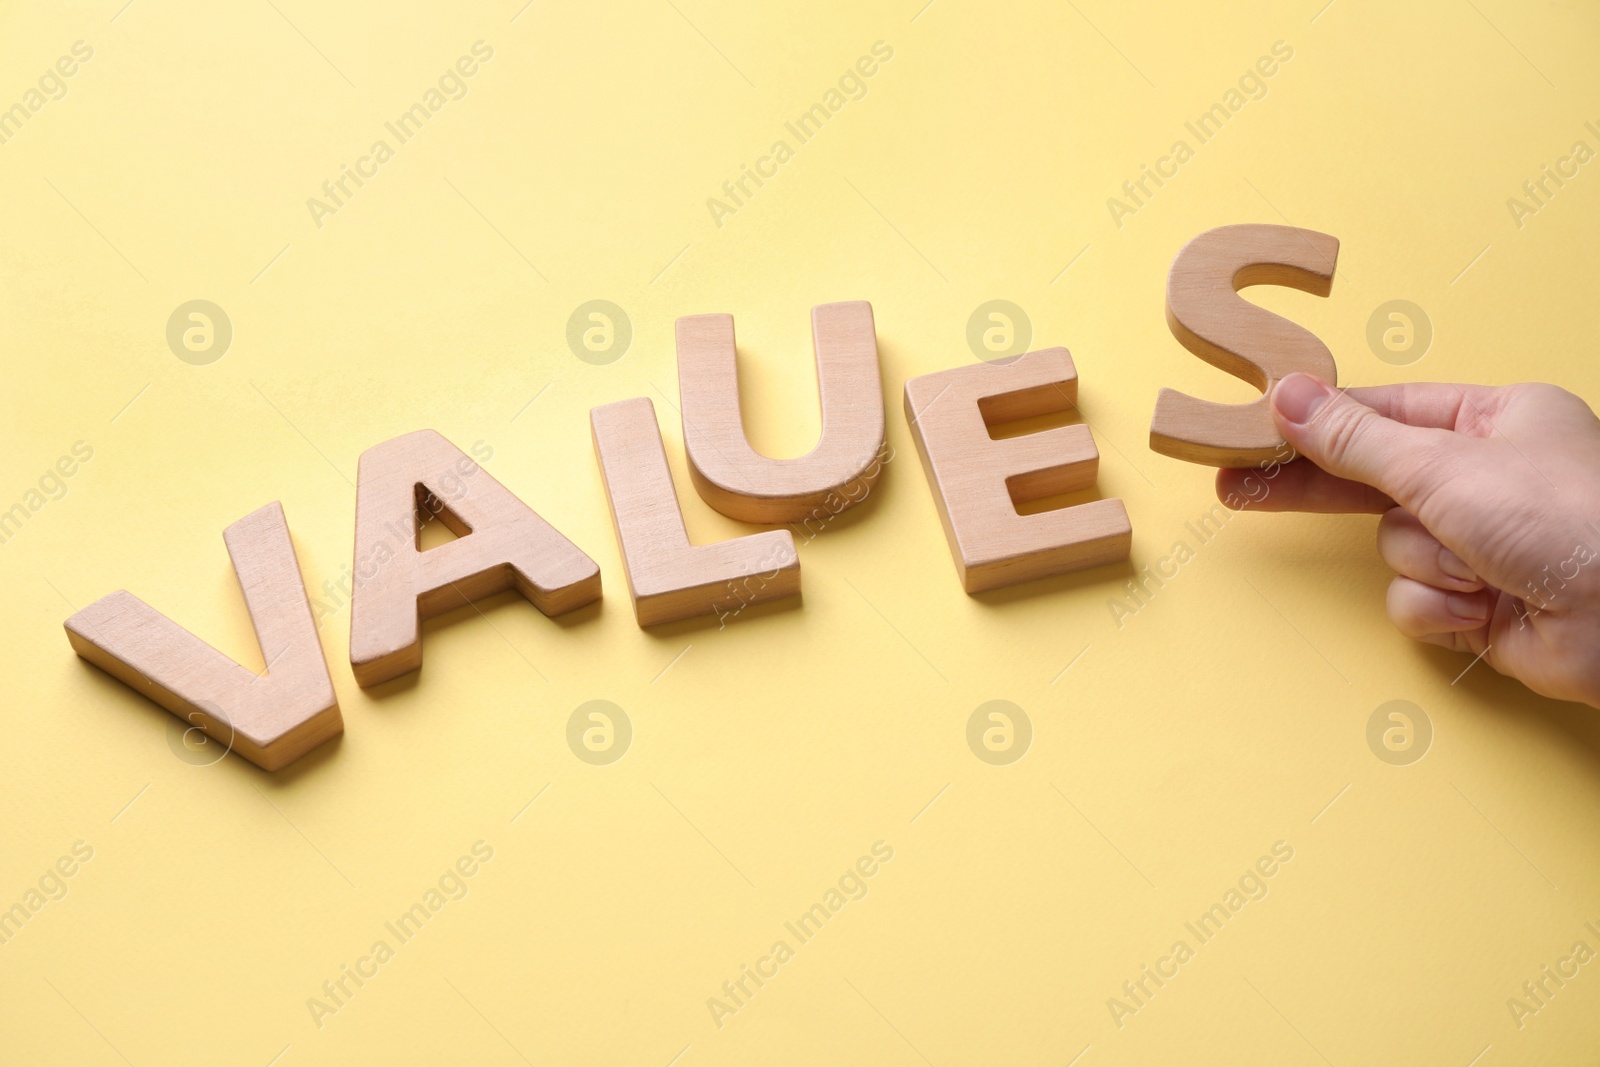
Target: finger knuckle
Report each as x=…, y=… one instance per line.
x=1395, y=520
x=1548, y=393
x=1429, y=469
x=1344, y=430
x=1400, y=605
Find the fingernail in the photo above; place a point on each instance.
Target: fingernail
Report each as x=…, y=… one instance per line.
x=1467, y=606
x=1299, y=397
x=1455, y=566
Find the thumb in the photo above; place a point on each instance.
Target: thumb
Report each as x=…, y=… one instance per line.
x=1350, y=440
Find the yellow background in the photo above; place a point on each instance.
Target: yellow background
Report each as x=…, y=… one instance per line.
x=769, y=755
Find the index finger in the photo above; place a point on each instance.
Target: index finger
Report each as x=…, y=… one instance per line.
x=1437, y=405
x=1298, y=486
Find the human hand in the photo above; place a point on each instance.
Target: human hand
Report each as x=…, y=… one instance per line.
x=1490, y=499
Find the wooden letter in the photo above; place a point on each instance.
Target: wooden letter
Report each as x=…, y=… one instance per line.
x=978, y=481
x=744, y=485
x=270, y=719
x=669, y=578
x=503, y=545
x=1208, y=316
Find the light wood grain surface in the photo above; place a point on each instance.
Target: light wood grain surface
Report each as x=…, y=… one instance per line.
x=977, y=481
x=1208, y=317
x=271, y=719
x=669, y=578
x=740, y=482
x=501, y=544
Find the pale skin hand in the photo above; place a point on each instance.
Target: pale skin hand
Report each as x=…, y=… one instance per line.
x=1490, y=498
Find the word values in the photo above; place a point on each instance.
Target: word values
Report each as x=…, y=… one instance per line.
x=976, y=481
